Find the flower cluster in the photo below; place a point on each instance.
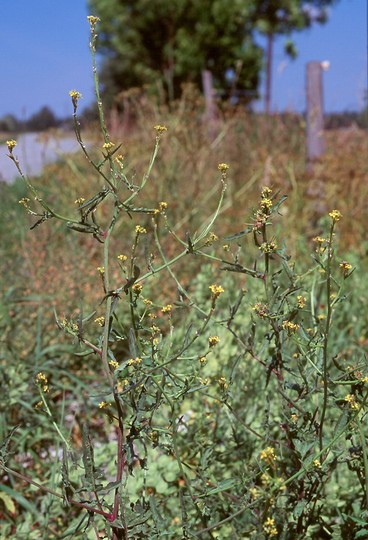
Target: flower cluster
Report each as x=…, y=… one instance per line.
x=100, y=321
x=41, y=380
x=351, y=399
x=268, y=247
x=335, y=215
x=135, y=362
x=213, y=341
x=301, y=301
x=269, y=527
x=167, y=308
x=216, y=290
x=268, y=455
x=290, y=327
x=140, y=230
x=261, y=310
x=11, y=144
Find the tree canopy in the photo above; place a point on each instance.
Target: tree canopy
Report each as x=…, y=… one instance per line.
x=163, y=43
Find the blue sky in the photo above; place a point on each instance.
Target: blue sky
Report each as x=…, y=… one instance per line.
x=45, y=53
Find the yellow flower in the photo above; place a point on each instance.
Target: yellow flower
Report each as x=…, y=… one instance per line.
x=75, y=95
x=317, y=464
x=160, y=129
x=266, y=204
x=202, y=360
x=223, y=383
x=269, y=527
x=223, y=167
x=79, y=201
x=140, y=230
x=162, y=206
x=268, y=247
x=101, y=270
x=114, y=364
x=335, y=215
x=103, y=405
x=216, y=290
x=135, y=362
x=266, y=192
x=100, y=321
x=226, y=247
x=108, y=145
x=93, y=21
x=213, y=341
x=294, y=418
x=345, y=267
x=167, y=308
x=137, y=288
x=301, y=301
x=350, y=398
x=212, y=237
x=268, y=455
x=290, y=327
x=122, y=258
x=261, y=310
x=41, y=378
x=11, y=144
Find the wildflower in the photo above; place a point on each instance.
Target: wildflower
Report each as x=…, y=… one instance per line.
x=296, y=356
x=119, y=160
x=317, y=464
x=259, y=220
x=147, y=302
x=335, y=215
x=268, y=247
x=216, y=290
x=75, y=95
x=269, y=527
x=120, y=385
x=41, y=380
x=261, y=310
x=223, y=383
x=114, y=364
x=167, y=308
x=135, y=362
x=155, y=329
x=38, y=405
x=364, y=380
x=79, y=201
x=41, y=377
x=202, y=360
x=294, y=418
x=100, y=321
x=223, y=167
x=321, y=317
x=101, y=270
x=103, y=405
x=350, y=398
x=268, y=455
x=162, y=206
x=152, y=316
x=160, y=129
x=213, y=341
x=345, y=267
x=254, y=493
x=290, y=327
x=11, y=144
x=137, y=288
x=155, y=342
x=122, y=258
x=266, y=204
x=226, y=247
x=25, y=202
x=211, y=238
x=140, y=230
x=266, y=192
x=108, y=145
x=301, y=301
x=93, y=21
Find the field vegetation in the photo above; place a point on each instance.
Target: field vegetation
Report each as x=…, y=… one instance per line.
x=184, y=332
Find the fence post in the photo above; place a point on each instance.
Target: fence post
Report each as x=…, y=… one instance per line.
x=315, y=139
x=210, y=106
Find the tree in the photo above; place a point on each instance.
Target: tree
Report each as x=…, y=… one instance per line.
x=165, y=43
x=41, y=120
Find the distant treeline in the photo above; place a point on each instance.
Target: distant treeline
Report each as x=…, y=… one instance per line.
x=45, y=119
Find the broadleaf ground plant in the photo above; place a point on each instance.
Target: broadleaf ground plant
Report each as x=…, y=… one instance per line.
x=227, y=403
